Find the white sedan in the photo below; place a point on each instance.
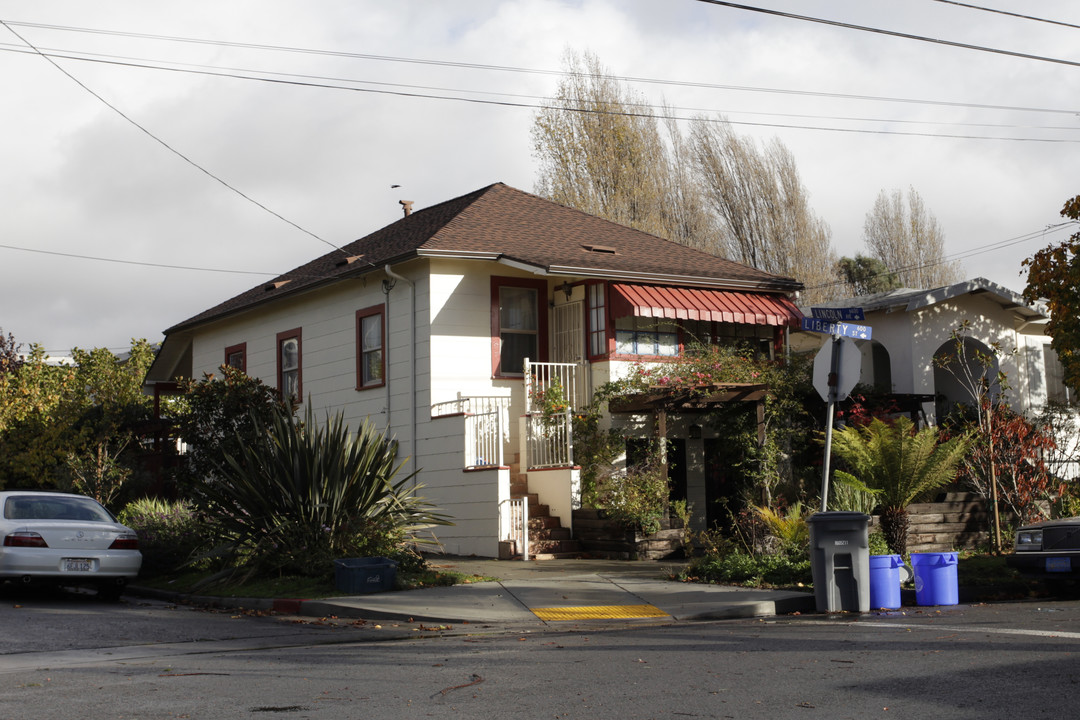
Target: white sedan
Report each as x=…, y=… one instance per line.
x=65, y=538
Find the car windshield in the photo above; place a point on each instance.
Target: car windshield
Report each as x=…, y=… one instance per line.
x=47, y=507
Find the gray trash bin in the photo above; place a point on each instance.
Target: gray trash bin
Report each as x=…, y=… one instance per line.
x=840, y=561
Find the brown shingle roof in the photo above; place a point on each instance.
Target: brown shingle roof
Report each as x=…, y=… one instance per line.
x=499, y=221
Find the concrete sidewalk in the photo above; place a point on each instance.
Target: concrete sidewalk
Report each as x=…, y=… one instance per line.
x=550, y=591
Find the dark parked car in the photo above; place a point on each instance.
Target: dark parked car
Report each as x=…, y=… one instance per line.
x=1049, y=549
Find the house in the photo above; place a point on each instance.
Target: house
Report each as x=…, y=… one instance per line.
x=439, y=325
x=912, y=328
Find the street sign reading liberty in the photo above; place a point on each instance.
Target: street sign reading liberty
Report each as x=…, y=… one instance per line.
x=843, y=329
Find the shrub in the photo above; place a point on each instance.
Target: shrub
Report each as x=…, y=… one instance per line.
x=302, y=494
x=789, y=529
x=636, y=498
x=170, y=533
x=740, y=568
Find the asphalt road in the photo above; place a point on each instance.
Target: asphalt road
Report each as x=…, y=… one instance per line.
x=71, y=656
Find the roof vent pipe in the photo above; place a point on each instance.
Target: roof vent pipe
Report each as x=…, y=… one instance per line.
x=407, y=206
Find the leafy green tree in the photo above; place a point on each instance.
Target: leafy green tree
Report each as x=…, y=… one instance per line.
x=103, y=416
x=304, y=493
x=9, y=354
x=900, y=465
x=865, y=275
x=218, y=415
x=62, y=425
x=1054, y=277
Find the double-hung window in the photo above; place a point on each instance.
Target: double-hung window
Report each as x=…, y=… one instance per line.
x=370, y=351
x=518, y=324
x=289, y=370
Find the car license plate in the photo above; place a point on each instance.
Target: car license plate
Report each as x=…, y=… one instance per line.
x=77, y=565
x=1059, y=564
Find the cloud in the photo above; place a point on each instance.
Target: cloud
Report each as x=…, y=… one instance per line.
x=79, y=179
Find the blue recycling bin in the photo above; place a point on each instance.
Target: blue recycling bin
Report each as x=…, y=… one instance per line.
x=885, y=581
x=935, y=578
x=360, y=576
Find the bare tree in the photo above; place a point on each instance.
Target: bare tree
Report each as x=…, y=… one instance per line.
x=762, y=207
x=905, y=236
x=602, y=149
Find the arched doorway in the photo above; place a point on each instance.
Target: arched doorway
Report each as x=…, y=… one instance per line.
x=963, y=369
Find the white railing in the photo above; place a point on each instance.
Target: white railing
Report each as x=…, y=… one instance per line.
x=484, y=439
x=471, y=404
x=515, y=521
x=541, y=378
x=549, y=441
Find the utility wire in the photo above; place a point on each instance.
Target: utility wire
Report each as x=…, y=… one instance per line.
x=963, y=254
x=1010, y=14
x=314, y=83
x=161, y=142
x=136, y=262
x=893, y=33
x=541, y=71
x=255, y=75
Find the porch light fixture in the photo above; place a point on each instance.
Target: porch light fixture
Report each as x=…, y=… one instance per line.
x=567, y=289
x=695, y=432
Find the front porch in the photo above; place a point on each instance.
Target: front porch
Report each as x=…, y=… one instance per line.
x=523, y=469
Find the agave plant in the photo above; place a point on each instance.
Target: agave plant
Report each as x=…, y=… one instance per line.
x=306, y=494
x=899, y=465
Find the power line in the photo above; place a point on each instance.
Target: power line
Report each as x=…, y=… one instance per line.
x=1010, y=14
x=315, y=82
x=256, y=75
x=161, y=142
x=136, y=262
x=541, y=71
x=964, y=254
x=893, y=33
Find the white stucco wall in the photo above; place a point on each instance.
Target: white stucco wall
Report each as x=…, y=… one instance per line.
x=913, y=338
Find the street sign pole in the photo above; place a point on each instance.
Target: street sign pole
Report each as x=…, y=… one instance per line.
x=830, y=415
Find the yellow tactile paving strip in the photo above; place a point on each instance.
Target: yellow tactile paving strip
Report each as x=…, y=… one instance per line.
x=599, y=612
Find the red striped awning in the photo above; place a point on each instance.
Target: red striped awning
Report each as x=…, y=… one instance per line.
x=696, y=304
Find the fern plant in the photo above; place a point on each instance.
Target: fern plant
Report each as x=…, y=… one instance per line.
x=900, y=465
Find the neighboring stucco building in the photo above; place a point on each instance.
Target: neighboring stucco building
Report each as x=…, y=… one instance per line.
x=912, y=327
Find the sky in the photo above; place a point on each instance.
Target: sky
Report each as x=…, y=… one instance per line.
x=159, y=158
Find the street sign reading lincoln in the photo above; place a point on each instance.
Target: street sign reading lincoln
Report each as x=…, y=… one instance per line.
x=840, y=314
x=843, y=329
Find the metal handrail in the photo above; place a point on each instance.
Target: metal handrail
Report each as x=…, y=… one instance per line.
x=484, y=439
x=542, y=376
x=470, y=404
x=549, y=441
x=516, y=519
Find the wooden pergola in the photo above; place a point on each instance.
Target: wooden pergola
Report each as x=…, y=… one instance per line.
x=660, y=400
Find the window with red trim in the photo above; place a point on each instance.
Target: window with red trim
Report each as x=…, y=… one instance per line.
x=519, y=324
x=370, y=351
x=289, y=355
x=236, y=357
x=596, y=295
